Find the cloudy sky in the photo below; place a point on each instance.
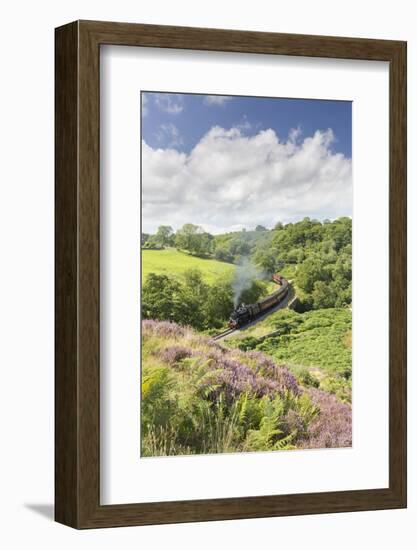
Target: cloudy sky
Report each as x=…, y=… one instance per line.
x=226, y=162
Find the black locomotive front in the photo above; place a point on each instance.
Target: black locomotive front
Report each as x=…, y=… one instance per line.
x=240, y=316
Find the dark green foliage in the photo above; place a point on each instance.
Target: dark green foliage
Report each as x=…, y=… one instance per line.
x=323, y=255
x=253, y=293
x=163, y=298
x=247, y=344
x=305, y=377
x=316, y=255
x=217, y=305
x=190, y=302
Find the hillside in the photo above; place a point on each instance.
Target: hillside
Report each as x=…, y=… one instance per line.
x=315, y=345
x=198, y=397
x=174, y=263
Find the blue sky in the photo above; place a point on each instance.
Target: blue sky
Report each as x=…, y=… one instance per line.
x=228, y=162
x=194, y=115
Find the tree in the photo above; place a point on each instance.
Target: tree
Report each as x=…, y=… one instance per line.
x=295, y=256
x=222, y=253
x=323, y=295
x=163, y=235
x=190, y=302
x=265, y=259
x=239, y=248
x=193, y=239
x=204, y=244
x=195, y=296
x=218, y=305
x=253, y=293
x=162, y=298
x=185, y=237
x=310, y=271
x=152, y=243
x=260, y=228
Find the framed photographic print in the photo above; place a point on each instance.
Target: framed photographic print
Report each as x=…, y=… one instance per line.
x=230, y=274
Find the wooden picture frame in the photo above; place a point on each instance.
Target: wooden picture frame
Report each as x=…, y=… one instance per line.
x=77, y=374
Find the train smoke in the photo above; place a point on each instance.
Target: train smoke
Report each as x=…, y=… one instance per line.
x=245, y=274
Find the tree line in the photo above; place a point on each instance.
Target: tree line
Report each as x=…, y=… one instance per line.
x=191, y=301
x=316, y=255
x=191, y=238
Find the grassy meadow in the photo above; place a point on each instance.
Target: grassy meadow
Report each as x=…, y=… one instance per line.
x=175, y=263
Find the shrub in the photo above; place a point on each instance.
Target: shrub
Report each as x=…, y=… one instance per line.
x=201, y=395
x=200, y=398
x=332, y=427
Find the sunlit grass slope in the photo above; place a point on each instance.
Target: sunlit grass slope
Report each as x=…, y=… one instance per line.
x=173, y=262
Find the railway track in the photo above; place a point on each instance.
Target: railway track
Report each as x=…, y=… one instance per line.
x=221, y=335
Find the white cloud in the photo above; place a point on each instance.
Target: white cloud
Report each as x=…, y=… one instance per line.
x=219, y=100
x=244, y=125
x=168, y=135
x=169, y=103
x=294, y=134
x=231, y=180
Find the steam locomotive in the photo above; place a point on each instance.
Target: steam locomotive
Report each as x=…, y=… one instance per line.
x=246, y=313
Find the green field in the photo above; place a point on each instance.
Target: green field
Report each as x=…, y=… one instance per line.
x=174, y=262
